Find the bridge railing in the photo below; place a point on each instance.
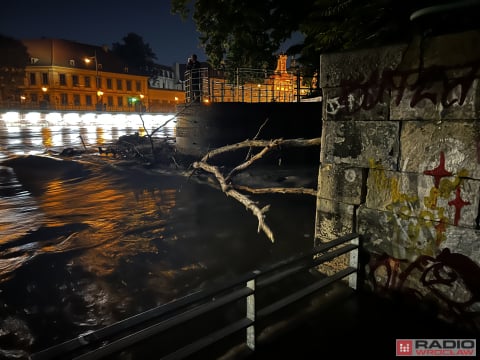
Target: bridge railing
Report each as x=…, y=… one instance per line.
x=246, y=85
x=244, y=302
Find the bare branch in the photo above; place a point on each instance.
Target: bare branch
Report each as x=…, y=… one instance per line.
x=262, y=143
x=229, y=191
x=298, y=191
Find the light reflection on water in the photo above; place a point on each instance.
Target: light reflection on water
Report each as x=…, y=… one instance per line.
x=87, y=243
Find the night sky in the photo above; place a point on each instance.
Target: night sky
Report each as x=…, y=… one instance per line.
x=104, y=22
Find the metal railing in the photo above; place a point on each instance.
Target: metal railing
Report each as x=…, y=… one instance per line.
x=248, y=290
x=245, y=85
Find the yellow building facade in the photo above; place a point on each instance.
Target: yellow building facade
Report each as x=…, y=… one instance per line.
x=65, y=75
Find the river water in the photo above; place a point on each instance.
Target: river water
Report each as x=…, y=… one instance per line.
x=86, y=241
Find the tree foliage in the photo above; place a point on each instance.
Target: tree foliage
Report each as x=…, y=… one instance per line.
x=245, y=33
x=13, y=61
x=134, y=51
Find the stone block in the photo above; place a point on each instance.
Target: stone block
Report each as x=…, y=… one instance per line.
x=358, y=143
x=402, y=238
x=437, y=79
x=333, y=219
x=344, y=104
x=341, y=183
x=463, y=241
x=454, y=202
x=356, y=68
x=438, y=100
x=423, y=144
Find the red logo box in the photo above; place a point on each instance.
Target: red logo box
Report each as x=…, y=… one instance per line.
x=404, y=347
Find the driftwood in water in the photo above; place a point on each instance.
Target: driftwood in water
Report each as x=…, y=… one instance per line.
x=232, y=190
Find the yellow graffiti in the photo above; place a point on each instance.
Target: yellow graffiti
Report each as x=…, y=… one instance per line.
x=432, y=219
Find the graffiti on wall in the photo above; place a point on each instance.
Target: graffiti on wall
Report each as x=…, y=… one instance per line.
x=432, y=84
x=450, y=280
x=411, y=224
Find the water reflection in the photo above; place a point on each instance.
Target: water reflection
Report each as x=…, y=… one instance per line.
x=20, y=138
x=84, y=244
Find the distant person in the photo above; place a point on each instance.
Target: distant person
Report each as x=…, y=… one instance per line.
x=193, y=66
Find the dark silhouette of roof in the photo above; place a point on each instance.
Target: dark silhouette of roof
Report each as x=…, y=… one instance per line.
x=70, y=54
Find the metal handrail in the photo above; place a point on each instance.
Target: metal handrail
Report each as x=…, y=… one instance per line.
x=126, y=333
x=244, y=85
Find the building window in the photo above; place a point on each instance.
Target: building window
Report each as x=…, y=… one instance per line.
x=129, y=85
x=109, y=84
x=34, y=98
x=64, y=99
x=33, y=79
x=88, y=100
x=87, y=81
x=63, y=79
x=75, y=80
x=138, y=85
x=76, y=100
x=44, y=79
x=110, y=100
x=120, y=101
x=119, y=84
x=99, y=84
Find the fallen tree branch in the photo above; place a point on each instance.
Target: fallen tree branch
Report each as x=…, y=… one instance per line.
x=273, y=144
x=262, y=143
x=270, y=190
x=229, y=191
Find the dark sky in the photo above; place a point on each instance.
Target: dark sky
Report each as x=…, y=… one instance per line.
x=104, y=22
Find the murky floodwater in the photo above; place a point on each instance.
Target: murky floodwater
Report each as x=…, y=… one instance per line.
x=86, y=242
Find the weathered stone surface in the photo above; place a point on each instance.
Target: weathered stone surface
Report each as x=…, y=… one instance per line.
x=409, y=195
x=358, y=67
x=443, y=86
x=407, y=116
x=358, y=143
x=438, y=101
x=409, y=237
x=424, y=142
x=333, y=219
x=352, y=104
x=341, y=183
x=402, y=238
x=446, y=50
x=463, y=241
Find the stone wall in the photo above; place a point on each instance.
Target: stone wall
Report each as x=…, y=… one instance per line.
x=400, y=165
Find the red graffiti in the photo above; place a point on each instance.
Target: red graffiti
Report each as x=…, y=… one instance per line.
x=439, y=172
x=441, y=276
x=458, y=203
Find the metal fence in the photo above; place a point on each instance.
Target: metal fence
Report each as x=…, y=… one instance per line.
x=246, y=85
x=243, y=299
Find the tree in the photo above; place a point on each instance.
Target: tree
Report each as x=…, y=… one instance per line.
x=13, y=61
x=246, y=33
x=135, y=52
x=243, y=33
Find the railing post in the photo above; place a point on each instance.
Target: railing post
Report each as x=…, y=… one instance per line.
x=353, y=278
x=251, y=312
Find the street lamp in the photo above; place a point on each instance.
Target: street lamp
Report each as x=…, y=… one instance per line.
x=97, y=79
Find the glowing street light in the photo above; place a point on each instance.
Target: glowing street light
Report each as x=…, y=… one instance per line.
x=97, y=79
x=94, y=58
